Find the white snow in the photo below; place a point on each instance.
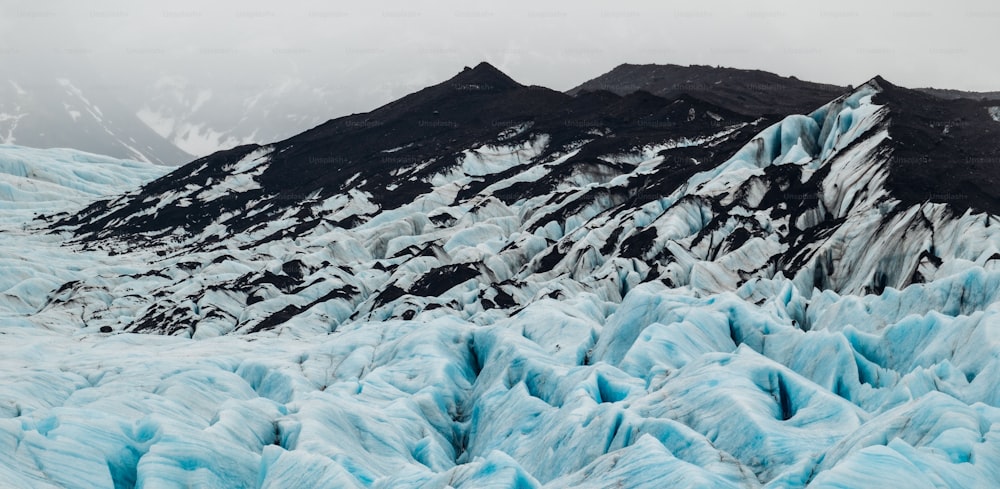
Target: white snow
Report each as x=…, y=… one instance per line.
x=10, y=122
x=194, y=138
x=72, y=89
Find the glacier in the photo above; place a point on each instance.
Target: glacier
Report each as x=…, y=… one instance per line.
x=583, y=337
x=704, y=392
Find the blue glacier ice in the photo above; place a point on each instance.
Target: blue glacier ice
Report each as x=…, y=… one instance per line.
x=698, y=392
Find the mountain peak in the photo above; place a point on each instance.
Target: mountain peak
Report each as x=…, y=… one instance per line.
x=483, y=76
x=879, y=83
x=880, y=80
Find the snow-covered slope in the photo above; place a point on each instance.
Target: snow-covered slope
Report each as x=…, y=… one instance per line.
x=490, y=285
x=54, y=112
x=35, y=181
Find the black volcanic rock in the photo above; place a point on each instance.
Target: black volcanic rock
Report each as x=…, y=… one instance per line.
x=943, y=150
x=749, y=92
x=432, y=125
x=483, y=77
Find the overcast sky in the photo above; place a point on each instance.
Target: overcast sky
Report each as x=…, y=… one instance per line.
x=387, y=49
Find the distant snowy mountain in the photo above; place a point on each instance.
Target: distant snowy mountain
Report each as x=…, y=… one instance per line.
x=202, y=121
x=487, y=284
x=57, y=112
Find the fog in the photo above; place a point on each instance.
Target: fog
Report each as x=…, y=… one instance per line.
x=360, y=55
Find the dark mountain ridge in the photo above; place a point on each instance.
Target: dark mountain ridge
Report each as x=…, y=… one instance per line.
x=426, y=132
x=943, y=150
x=748, y=92
x=419, y=135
